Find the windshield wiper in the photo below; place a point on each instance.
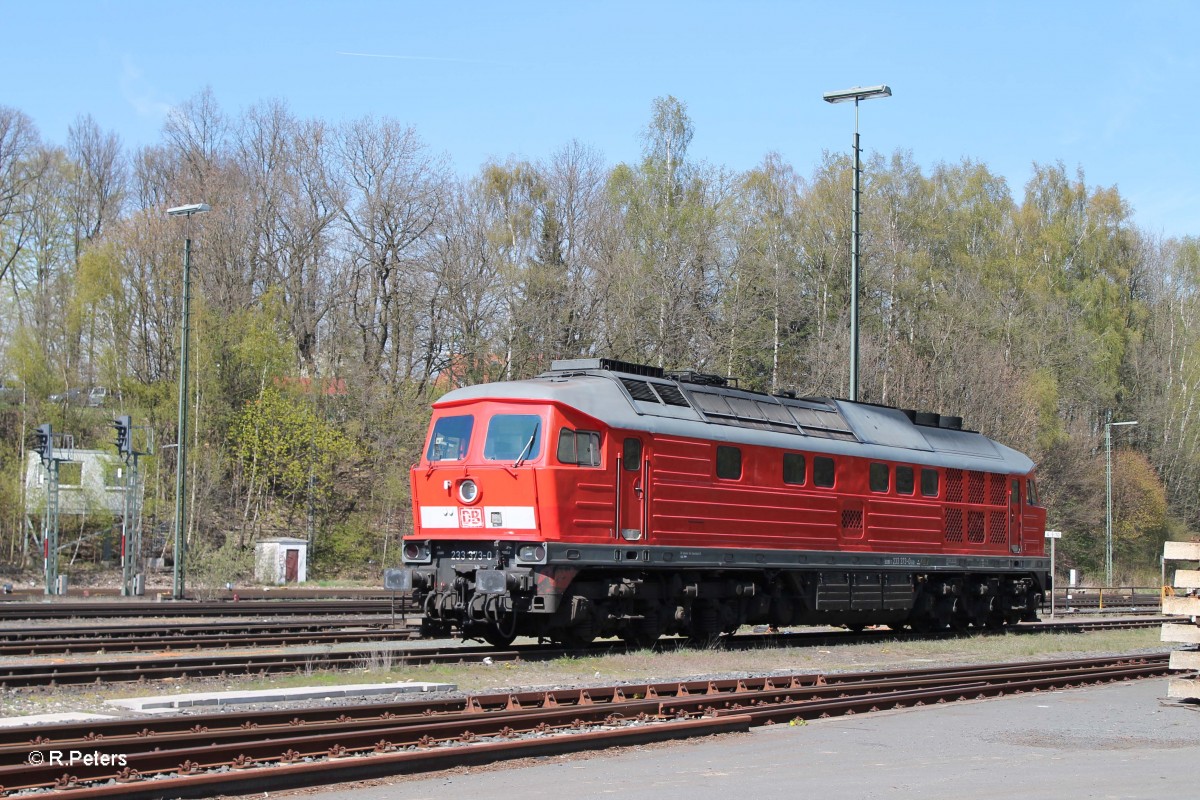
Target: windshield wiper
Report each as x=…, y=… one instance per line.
x=528, y=446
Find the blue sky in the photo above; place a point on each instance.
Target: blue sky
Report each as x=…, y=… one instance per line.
x=1096, y=85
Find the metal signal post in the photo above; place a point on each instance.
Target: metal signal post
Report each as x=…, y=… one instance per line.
x=44, y=447
x=131, y=520
x=1108, y=515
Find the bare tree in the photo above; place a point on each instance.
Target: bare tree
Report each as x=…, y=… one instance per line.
x=20, y=167
x=395, y=195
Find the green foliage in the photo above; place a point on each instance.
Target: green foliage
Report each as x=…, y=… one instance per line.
x=348, y=548
x=280, y=443
x=210, y=567
x=1041, y=395
x=1141, y=522
x=30, y=364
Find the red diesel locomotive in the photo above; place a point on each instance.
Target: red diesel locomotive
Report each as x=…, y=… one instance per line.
x=604, y=498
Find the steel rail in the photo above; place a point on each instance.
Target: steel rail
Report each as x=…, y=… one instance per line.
x=425, y=736
x=177, y=628
x=215, y=724
x=62, y=641
x=241, y=608
x=226, y=665
x=134, y=643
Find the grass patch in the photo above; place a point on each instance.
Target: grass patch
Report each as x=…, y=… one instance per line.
x=646, y=666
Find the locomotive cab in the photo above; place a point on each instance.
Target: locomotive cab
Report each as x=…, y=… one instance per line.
x=486, y=498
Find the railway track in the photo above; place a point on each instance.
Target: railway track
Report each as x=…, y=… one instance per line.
x=231, y=753
x=224, y=665
x=17, y=610
x=197, y=636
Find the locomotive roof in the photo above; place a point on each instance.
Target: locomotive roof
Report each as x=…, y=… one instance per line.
x=639, y=398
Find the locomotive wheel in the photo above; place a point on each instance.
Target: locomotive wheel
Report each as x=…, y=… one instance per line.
x=495, y=638
x=577, y=639
x=580, y=635
x=643, y=633
x=706, y=626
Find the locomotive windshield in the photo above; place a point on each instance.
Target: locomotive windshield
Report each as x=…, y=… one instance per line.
x=451, y=438
x=513, y=437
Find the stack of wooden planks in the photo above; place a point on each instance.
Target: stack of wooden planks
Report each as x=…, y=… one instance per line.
x=1182, y=558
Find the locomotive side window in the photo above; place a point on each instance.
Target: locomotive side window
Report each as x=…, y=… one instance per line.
x=929, y=482
x=793, y=468
x=1031, y=495
x=513, y=437
x=729, y=462
x=904, y=480
x=579, y=447
x=451, y=438
x=879, y=477
x=823, y=471
x=631, y=455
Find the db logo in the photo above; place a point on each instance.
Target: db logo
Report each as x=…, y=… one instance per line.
x=470, y=518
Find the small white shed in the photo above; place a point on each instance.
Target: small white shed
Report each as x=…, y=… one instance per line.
x=281, y=559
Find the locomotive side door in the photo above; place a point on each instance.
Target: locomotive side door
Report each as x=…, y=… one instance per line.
x=631, y=491
x=1014, y=517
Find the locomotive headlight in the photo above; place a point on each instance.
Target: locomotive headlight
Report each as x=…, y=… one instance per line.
x=468, y=492
x=416, y=552
x=532, y=553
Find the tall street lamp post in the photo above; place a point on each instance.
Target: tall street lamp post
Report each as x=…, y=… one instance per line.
x=181, y=449
x=856, y=94
x=1108, y=540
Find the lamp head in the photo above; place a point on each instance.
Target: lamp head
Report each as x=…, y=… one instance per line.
x=187, y=211
x=858, y=93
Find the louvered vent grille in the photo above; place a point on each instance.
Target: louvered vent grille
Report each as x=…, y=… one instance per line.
x=997, y=527
x=975, y=527
x=954, y=485
x=975, y=482
x=998, y=490
x=954, y=525
x=640, y=390
x=671, y=396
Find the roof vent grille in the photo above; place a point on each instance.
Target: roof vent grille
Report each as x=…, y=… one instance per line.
x=671, y=396
x=640, y=390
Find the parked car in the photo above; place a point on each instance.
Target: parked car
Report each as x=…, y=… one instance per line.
x=97, y=397
x=72, y=397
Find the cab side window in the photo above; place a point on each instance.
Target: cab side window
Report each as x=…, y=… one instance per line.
x=631, y=454
x=579, y=447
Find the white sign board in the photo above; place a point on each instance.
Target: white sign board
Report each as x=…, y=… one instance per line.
x=1053, y=534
